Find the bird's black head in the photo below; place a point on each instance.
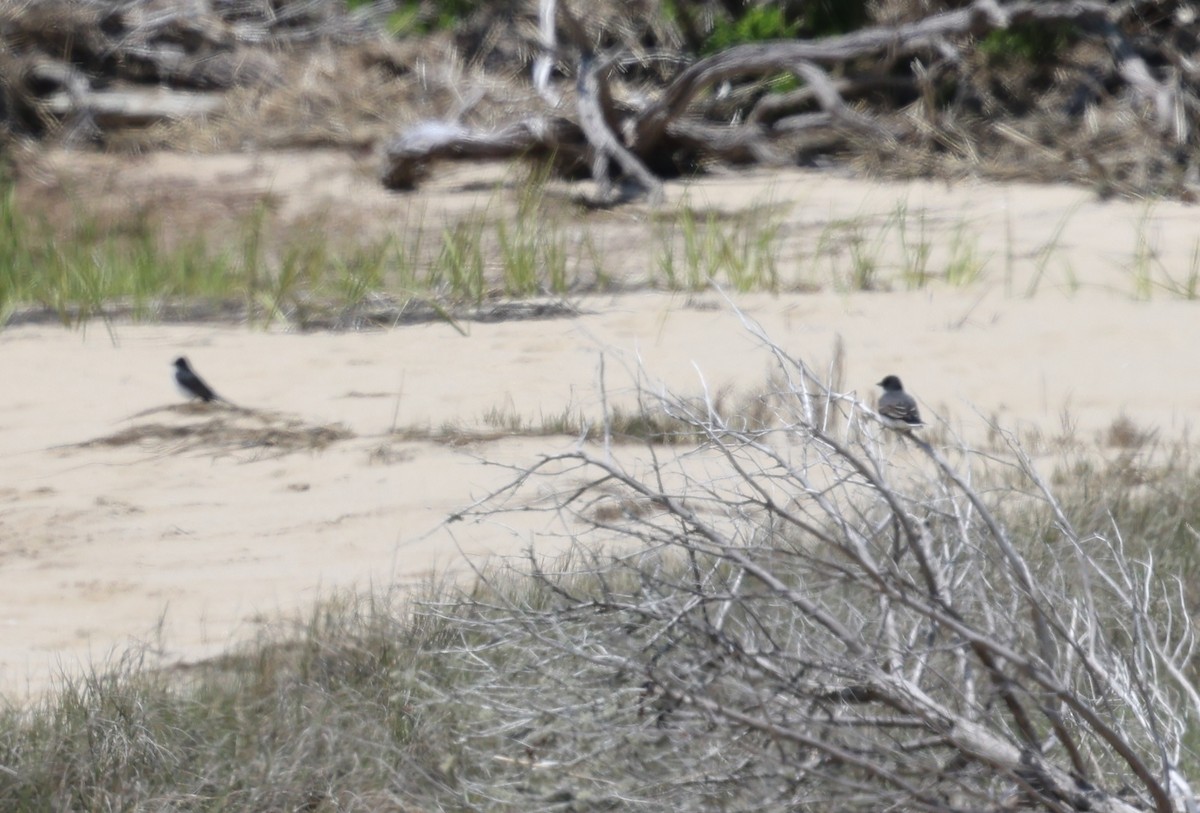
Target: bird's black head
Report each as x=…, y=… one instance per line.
x=891, y=384
x=181, y=363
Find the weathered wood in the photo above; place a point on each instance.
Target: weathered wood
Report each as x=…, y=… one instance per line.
x=93, y=66
x=598, y=118
x=134, y=107
x=604, y=143
x=543, y=65
x=774, y=57
x=1134, y=70
x=832, y=102
x=663, y=133
x=408, y=155
x=735, y=145
x=774, y=106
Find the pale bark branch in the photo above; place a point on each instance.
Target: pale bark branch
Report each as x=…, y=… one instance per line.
x=792, y=596
x=408, y=155
x=897, y=41
x=776, y=129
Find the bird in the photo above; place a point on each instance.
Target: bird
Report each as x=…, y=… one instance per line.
x=192, y=385
x=897, y=408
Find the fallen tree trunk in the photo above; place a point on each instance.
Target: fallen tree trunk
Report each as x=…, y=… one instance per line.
x=980, y=18
x=653, y=135
x=91, y=67
x=134, y=107
x=409, y=154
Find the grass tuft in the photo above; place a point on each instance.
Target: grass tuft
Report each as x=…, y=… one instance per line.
x=739, y=252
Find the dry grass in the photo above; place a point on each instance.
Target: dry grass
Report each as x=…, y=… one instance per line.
x=1028, y=104
x=645, y=423
x=1123, y=433
x=348, y=96
x=444, y=698
x=374, y=703
x=221, y=428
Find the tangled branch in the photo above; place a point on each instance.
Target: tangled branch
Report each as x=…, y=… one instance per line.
x=809, y=609
x=923, y=77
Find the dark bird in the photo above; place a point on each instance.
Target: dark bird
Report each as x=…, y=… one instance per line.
x=192, y=385
x=897, y=408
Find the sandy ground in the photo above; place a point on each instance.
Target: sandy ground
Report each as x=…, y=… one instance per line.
x=192, y=541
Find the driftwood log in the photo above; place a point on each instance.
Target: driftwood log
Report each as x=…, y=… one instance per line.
x=92, y=67
x=665, y=136
x=133, y=107
x=411, y=152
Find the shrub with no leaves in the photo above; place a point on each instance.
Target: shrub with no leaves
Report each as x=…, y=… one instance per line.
x=820, y=614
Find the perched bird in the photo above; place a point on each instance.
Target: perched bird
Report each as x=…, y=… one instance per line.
x=192, y=385
x=897, y=408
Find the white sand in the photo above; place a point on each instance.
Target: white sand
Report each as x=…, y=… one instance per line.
x=99, y=544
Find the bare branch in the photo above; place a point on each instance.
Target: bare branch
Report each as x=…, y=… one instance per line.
x=804, y=617
x=773, y=57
